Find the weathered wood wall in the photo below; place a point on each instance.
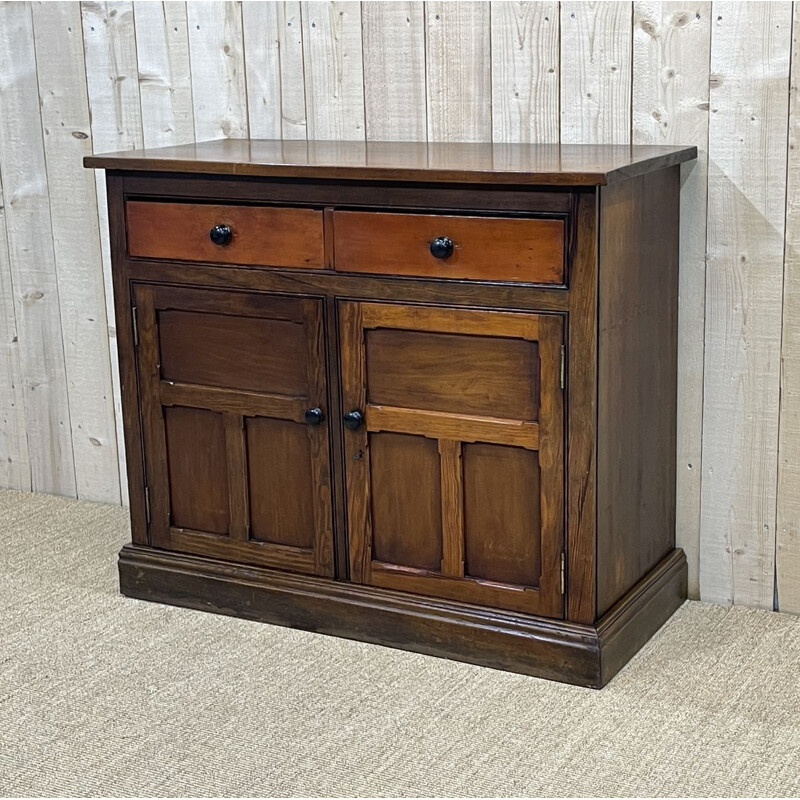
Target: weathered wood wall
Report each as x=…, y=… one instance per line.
x=76, y=77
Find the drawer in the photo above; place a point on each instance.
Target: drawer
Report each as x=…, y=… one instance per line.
x=478, y=248
x=257, y=235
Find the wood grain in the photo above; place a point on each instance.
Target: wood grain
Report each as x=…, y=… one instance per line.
x=525, y=72
x=433, y=162
x=596, y=72
x=451, y=425
x=112, y=80
x=394, y=71
x=262, y=69
x=671, y=46
x=334, y=75
x=216, y=51
x=32, y=259
x=165, y=77
x=15, y=471
x=747, y=151
x=787, y=556
x=484, y=248
x=262, y=236
x=459, y=88
x=451, y=470
x=76, y=243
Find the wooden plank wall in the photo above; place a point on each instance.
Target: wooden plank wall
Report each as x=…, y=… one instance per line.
x=77, y=77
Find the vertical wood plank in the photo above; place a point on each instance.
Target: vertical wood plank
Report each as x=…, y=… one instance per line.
x=76, y=243
x=394, y=71
x=452, y=482
x=112, y=80
x=356, y=443
x=262, y=69
x=15, y=471
x=237, y=476
x=33, y=268
x=787, y=556
x=750, y=49
x=319, y=439
x=671, y=48
x=216, y=53
x=165, y=83
x=525, y=72
x=596, y=72
x=334, y=70
x=458, y=58
x=293, y=85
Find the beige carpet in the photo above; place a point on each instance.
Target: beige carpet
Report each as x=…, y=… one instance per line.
x=100, y=695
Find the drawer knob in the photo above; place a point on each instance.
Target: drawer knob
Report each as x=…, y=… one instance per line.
x=221, y=235
x=353, y=420
x=314, y=416
x=442, y=247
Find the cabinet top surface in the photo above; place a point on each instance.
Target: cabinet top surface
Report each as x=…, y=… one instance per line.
x=498, y=163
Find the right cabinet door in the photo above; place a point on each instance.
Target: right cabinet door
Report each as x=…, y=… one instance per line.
x=454, y=431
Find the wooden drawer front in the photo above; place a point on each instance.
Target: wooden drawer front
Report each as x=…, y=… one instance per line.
x=484, y=248
x=455, y=467
x=261, y=236
x=234, y=403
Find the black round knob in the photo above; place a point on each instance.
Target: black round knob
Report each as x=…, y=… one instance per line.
x=314, y=416
x=353, y=420
x=442, y=247
x=221, y=235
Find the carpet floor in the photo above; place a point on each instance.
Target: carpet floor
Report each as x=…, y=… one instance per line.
x=101, y=695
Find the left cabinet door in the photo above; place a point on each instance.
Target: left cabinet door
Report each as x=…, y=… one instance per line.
x=233, y=397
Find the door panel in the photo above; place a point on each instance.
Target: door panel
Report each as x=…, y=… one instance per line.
x=406, y=506
x=455, y=479
x=197, y=469
x=234, y=470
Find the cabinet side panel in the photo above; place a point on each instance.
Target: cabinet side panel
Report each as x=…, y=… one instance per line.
x=637, y=380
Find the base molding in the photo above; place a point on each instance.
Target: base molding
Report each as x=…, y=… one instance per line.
x=585, y=655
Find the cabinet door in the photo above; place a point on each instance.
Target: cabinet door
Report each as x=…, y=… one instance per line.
x=454, y=456
x=234, y=409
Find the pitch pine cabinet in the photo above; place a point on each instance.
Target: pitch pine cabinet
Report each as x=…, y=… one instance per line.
x=422, y=395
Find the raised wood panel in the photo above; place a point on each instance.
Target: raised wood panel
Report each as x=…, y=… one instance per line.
x=421, y=496
x=261, y=236
x=501, y=514
x=257, y=355
x=477, y=375
x=234, y=471
x=197, y=468
x=484, y=248
x=280, y=482
x=406, y=500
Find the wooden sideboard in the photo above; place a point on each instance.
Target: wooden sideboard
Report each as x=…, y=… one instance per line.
x=422, y=395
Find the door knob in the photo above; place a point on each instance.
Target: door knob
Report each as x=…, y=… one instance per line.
x=314, y=416
x=353, y=420
x=441, y=247
x=221, y=235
